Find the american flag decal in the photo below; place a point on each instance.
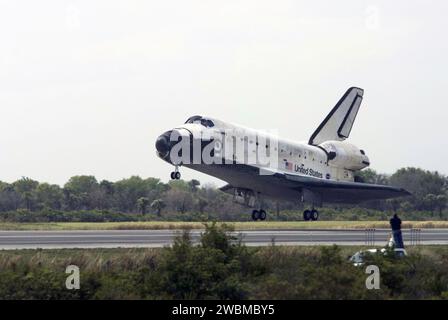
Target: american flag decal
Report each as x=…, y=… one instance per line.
x=288, y=165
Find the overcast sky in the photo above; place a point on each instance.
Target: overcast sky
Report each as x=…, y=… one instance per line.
x=87, y=86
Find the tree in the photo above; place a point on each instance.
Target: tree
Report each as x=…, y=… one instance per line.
x=107, y=186
x=158, y=205
x=194, y=184
x=178, y=200
x=83, y=189
x=430, y=202
x=143, y=204
x=371, y=176
x=9, y=197
x=406, y=206
x=440, y=203
x=25, y=187
x=104, y=196
x=420, y=183
x=277, y=209
x=394, y=204
x=128, y=191
x=49, y=196
x=81, y=184
x=202, y=204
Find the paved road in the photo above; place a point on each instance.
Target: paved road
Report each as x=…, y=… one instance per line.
x=161, y=238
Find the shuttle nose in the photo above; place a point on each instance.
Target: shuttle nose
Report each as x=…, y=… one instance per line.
x=163, y=144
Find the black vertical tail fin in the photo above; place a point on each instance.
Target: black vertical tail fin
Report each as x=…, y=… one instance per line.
x=339, y=122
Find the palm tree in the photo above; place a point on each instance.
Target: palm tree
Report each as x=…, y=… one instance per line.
x=142, y=204
x=158, y=205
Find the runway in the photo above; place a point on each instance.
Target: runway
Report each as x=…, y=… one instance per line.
x=10, y=240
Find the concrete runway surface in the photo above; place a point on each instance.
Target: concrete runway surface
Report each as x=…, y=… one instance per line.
x=159, y=238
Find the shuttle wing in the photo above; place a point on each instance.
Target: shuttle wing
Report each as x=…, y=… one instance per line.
x=339, y=122
x=290, y=186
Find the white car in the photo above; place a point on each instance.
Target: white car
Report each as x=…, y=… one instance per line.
x=358, y=258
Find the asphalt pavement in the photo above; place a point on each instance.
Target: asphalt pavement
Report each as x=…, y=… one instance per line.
x=160, y=238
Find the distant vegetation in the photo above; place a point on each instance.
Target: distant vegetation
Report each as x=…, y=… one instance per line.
x=221, y=268
x=83, y=198
x=239, y=225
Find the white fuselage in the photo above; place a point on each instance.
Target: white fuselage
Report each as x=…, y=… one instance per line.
x=298, y=158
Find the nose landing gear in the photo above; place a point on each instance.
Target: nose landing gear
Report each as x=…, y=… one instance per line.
x=175, y=175
x=311, y=215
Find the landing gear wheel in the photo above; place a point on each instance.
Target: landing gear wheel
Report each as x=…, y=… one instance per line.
x=175, y=175
x=314, y=215
x=255, y=215
x=262, y=215
x=307, y=215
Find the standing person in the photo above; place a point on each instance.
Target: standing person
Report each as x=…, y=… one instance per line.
x=395, y=223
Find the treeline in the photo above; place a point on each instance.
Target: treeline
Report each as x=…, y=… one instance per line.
x=84, y=198
x=221, y=268
x=429, y=190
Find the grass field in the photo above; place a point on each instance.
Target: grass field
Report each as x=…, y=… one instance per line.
x=159, y=225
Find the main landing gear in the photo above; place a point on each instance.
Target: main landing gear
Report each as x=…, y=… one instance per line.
x=175, y=175
x=259, y=215
x=311, y=215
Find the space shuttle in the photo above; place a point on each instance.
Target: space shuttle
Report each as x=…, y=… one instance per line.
x=258, y=164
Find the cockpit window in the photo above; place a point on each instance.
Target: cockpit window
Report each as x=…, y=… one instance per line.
x=203, y=121
x=194, y=119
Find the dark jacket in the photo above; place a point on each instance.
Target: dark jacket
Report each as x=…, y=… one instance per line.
x=395, y=223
